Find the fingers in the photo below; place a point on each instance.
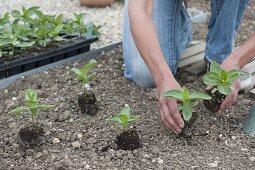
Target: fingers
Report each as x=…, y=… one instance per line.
x=169, y=114
x=167, y=124
x=230, y=99
x=176, y=115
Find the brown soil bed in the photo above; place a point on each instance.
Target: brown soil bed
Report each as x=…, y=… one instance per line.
x=218, y=139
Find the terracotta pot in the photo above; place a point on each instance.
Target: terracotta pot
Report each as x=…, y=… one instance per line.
x=96, y=3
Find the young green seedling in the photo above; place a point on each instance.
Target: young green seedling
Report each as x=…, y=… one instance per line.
x=87, y=100
x=124, y=118
x=33, y=106
x=188, y=100
x=221, y=79
x=128, y=139
x=82, y=74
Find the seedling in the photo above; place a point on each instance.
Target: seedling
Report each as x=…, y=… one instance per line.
x=82, y=74
x=221, y=79
x=188, y=100
x=128, y=139
x=33, y=106
x=30, y=135
x=124, y=118
x=31, y=27
x=87, y=100
x=220, y=82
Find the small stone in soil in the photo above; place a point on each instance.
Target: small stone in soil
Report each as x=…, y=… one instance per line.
x=76, y=145
x=252, y=159
x=55, y=141
x=64, y=116
x=79, y=136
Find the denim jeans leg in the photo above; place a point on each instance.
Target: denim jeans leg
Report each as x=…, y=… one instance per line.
x=224, y=21
x=173, y=28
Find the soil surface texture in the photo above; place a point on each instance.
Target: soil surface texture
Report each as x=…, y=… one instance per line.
x=75, y=141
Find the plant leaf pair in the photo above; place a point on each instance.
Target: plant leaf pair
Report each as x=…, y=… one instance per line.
x=32, y=105
x=82, y=74
x=124, y=118
x=221, y=78
x=188, y=100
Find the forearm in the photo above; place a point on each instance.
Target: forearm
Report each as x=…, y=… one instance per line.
x=144, y=34
x=244, y=54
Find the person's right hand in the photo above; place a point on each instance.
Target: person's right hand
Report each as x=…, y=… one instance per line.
x=170, y=115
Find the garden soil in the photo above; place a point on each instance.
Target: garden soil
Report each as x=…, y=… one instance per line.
x=75, y=141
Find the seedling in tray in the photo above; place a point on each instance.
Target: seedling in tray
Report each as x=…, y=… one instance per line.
x=32, y=133
x=220, y=82
x=187, y=102
x=129, y=138
x=87, y=100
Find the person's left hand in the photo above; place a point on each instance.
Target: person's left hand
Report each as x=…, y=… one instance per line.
x=231, y=98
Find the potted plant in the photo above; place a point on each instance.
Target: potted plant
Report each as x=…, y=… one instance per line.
x=31, y=134
x=30, y=39
x=128, y=139
x=87, y=100
x=187, y=102
x=220, y=82
x=96, y=3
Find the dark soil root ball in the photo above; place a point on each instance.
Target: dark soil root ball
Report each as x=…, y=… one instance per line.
x=187, y=131
x=128, y=140
x=214, y=104
x=87, y=102
x=31, y=136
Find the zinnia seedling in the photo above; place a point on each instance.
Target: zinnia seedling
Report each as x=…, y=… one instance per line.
x=188, y=100
x=221, y=79
x=124, y=118
x=82, y=74
x=33, y=105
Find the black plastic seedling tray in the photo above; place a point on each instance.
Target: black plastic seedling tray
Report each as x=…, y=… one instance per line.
x=18, y=66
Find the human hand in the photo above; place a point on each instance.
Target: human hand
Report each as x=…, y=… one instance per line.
x=231, y=98
x=170, y=115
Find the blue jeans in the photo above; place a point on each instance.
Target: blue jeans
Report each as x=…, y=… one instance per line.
x=174, y=31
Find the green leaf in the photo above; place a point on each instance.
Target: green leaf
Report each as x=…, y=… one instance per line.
x=223, y=76
x=194, y=103
x=200, y=95
x=177, y=94
x=215, y=67
x=226, y=90
x=25, y=44
x=125, y=111
x=211, y=79
x=186, y=111
x=124, y=117
x=5, y=41
x=58, y=28
x=15, y=13
x=58, y=38
x=88, y=66
x=18, y=110
x=185, y=94
x=76, y=71
x=233, y=75
x=31, y=95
